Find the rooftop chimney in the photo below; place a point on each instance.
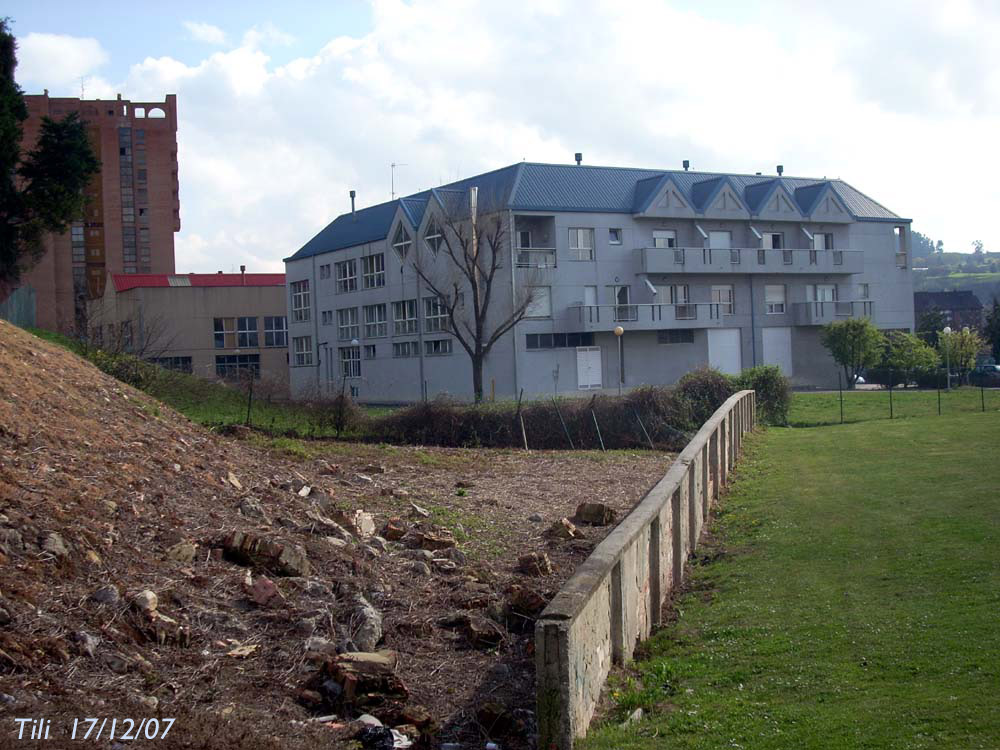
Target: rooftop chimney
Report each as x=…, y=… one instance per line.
x=579, y=158
x=243, y=275
x=686, y=164
x=781, y=170
x=353, y=215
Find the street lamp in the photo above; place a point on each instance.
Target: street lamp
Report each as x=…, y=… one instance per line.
x=947, y=352
x=620, y=332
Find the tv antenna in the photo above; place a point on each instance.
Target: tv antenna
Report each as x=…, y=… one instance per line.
x=392, y=167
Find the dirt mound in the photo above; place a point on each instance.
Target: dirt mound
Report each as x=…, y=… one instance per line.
x=149, y=567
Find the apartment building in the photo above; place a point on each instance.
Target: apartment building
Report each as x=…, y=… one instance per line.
x=692, y=268
x=224, y=326
x=132, y=211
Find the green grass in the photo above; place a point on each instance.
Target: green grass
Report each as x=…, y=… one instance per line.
x=812, y=409
x=855, y=605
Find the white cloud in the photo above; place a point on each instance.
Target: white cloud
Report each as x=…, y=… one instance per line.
x=268, y=152
x=58, y=60
x=206, y=32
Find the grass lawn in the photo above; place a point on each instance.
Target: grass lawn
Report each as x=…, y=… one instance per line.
x=811, y=409
x=854, y=604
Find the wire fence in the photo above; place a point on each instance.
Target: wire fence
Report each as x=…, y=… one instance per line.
x=901, y=396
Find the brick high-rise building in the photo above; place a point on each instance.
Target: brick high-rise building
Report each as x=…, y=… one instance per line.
x=132, y=210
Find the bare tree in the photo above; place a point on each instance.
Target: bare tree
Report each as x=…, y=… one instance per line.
x=459, y=261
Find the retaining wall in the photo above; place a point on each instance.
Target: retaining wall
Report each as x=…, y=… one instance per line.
x=615, y=597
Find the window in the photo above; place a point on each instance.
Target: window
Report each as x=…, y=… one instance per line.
x=535, y=341
x=614, y=236
x=347, y=276
x=774, y=298
x=675, y=336
x=275, y=330
x=822, y=241
x=773, y=241
x=225, y=333
x=302, y=348
x=722, y=295
x=664, y=238
x=437, y=347
x=624, y=311
x=369, y=351
x=237, y=366
x=581, y=244
x=680, y=297
x=324, y=271
x=401, y=242
x=373, y=271
x=404, y=317
x=347, y=324
x=435, y=315
x=540, y=304
x=326, y=317
x=300, y=301
x=177, y=364
x=523, y=239
x=721, y=240
x=375, y=322
x=405, y=349
x=821, y=292
x=862, y=291
x=141, y=175
x=247, y=332
x=433, y=236
x=900, y=241
x=350, y=361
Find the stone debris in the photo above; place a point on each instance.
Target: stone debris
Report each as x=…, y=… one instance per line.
x=54, y=545
x=86, y=642
x=420, y=569
x=106, y=594
x=262, y=590
x=145, y=601
x=536, y=518
x=564, y=529
x=594, y=514
x=525, y=601
x=251, y=508
x=320, y=524
x=231, y=478
x=417, y=511
x=305, y=491
x=433, y=540
x=535, y=564
x=462, y=484
x=361, y=678
x=182, y=552
x=394, y=529
x=633, y=718
x=280, y=558
x=367, y=624
x=374, y=469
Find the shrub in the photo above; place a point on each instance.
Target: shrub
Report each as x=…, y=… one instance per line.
x=931, y=378
x=339, y=415
x=705, y=390
x=126, y=368
x=774, y=392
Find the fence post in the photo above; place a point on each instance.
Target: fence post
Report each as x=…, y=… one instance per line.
x=840, y=390
x=890, y=393
x=982, y=396
x=938, y=381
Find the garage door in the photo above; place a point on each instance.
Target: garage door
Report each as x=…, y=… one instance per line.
x=724, y=350
x=588, y=367
x=778, y=348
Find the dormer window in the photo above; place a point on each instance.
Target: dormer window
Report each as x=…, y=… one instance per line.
x=433, y=236
x=401, y=242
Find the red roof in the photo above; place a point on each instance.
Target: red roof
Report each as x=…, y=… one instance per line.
x=126, y=281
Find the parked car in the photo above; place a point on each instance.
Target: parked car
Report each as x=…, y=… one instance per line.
x=985, y=375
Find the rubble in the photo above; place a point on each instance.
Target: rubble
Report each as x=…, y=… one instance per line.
x=564, y=529
x=594, y=514
x=535, y=564
x=367, y=623
x=280, y=558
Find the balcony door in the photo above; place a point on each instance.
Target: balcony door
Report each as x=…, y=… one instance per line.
x=720, y=240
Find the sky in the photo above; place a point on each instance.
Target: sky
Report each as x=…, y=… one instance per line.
x=285, y=107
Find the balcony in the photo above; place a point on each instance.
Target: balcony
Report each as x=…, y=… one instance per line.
x=821, y=313
x=673, y=260
x=651, y=317
x=536, y=257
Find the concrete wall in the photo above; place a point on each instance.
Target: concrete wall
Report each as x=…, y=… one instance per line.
x=615, y=598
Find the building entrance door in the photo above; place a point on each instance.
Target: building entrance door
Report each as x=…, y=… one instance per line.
x=588, y=367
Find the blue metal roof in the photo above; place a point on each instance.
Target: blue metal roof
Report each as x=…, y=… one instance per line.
x=531, y=186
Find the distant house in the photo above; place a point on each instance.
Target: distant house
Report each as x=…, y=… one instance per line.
x=961, y=308
x=214, y=325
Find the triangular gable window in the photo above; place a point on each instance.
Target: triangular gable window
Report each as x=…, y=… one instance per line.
x=402, y=242
x=433, y=236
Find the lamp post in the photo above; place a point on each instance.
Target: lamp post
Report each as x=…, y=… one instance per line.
x=947, y=352
x=620, y=333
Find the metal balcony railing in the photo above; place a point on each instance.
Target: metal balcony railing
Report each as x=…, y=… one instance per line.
x=536, y=257
x=762, y=260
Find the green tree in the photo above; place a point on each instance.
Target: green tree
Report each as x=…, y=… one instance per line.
x=959, y=349
x=992, y=330
x=907, y=352
x=41, y=191
x=931, y=323
x=854, y=344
